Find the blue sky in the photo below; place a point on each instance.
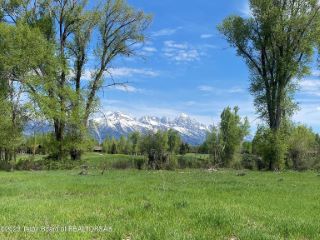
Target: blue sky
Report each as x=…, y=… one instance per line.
x=187, y=67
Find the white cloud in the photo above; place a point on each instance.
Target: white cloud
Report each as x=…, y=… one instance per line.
x=309, y=114
x=205, y=36
x=180, y=52
x=165, y=32
x=149, y=49
x=172, y=44
x=205, y=88
x=315, y=73
x=210, y=89
x=310, y=86
x=87, y=75
x=236, y=90
x=129, y=72
x=126, y=88
x=119, y=73
x=190, y=103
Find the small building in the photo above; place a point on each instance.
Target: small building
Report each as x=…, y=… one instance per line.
x=98, y=149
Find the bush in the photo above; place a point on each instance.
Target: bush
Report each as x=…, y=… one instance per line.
x=46, y=164
x=28, y=164
x=236, y=164
x=184, y=162
x=249, y=161
x=5, y=166
x=194, y=161
x=302, y=148
x=171, y=163
x=122, y=164
x=271, y=146
x=139, y=163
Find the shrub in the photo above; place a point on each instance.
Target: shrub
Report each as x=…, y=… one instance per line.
x=236, y=164
x=171, y=163
x=271, y=146
x=302, y=146
x=28, y=164
x=249, y=161
x=122, y=164
x=5, y=166
x=184, y=162
x=139, y=163
x=193, y=161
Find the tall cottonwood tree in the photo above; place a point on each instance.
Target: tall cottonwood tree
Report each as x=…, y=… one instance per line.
x=64, y=92
x=277, y=42
x=21, y=50
x=120, y=29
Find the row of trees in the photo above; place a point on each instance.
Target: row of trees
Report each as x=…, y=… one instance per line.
x=295, y=146
x=158, y=146
x=298, y=147
x=277, y=41
x=41, y=144
x=47, y=70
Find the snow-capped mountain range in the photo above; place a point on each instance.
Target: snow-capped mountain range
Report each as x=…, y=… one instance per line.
x=116, y=124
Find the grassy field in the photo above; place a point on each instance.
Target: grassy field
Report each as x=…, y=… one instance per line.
x=159, y=205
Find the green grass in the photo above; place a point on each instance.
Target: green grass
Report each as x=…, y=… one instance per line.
x=101, y=158
x=196, y=155
x=22, y=157
x=162, y=205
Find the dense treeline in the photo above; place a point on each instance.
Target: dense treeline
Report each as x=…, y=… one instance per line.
x=41, y=144
x=298, y=147
x=137, y=143
x=160, y=147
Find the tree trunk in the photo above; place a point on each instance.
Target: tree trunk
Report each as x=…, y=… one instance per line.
x=75, y=154
x=59, y=129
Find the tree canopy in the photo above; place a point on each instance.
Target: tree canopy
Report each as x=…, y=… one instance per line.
x=277, y=42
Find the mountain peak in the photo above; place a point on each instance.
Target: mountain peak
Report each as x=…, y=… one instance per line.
x=116, y=124
x=184, y=115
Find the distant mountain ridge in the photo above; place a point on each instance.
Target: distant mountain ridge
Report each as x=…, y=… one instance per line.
x=117, y=124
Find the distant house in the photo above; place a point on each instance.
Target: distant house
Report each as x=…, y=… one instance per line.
x=97, y=149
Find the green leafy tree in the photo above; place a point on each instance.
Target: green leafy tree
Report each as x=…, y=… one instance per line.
x=174, y=141
x=106, y=145
x=114, y=147
x=22, y=49
x=215, y=145
x=277, y=43
x=271, y=147
x=134, y=139
x=232, y=132
x=184, y=148
x=63, y=91
x=302, y=146
x=155, y=146
x=123, y=145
